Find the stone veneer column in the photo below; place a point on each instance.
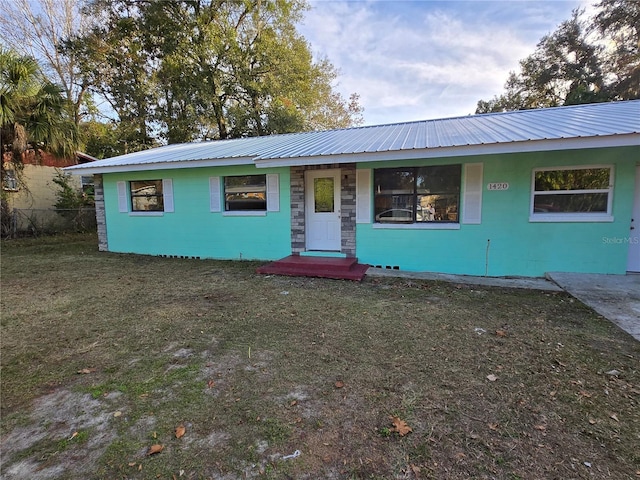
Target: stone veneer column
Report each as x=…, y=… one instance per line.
x=348, y=207
x=101, y=219
x=297, y=210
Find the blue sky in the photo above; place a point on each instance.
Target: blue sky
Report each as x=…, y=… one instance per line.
x=421, y=59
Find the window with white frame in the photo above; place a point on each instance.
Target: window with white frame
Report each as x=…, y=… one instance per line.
x=417, y=194
x=572, y=192
x=147, y=196
x=245, y=192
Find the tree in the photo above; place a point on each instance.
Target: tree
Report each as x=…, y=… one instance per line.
x=185, y=70
x=565, y=69
x=32, y=113
x=619, y=21
x=32, y=110
x=101, y=139
x=69, y=197
x=38, y=29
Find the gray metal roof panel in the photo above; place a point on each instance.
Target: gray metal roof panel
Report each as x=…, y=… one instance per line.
x=571, y=122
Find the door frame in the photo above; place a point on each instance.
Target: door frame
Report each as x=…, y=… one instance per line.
x=309, y=176
x=633, y=255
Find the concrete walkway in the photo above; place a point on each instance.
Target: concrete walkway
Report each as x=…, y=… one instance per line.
x=507, y=282
x=615, y=297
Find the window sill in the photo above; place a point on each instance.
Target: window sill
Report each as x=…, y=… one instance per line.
x=416, y=226
x=570, y=217
x=245, y=213
x=146, y=214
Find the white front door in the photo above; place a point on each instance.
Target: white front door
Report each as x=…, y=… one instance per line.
x=633, y=262
x=322, y=207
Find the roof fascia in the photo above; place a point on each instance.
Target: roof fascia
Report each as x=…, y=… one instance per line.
x=619, y=140
x=89, y=169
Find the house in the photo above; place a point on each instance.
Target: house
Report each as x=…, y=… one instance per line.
x=36, y=189
x=506, y=194
x=30, y=194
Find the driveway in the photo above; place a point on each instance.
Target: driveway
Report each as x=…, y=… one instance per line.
x=615, y=297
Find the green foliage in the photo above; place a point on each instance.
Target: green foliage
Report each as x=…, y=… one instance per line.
x=586, y=60
x=578, y=179
x=33, y=111
x=201, y=69
x=68, y=197
x=619, y=22
x=103, y=140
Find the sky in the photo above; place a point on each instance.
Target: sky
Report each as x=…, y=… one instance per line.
x=423, y=59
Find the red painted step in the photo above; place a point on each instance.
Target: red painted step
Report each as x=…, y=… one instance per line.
x=324, y=267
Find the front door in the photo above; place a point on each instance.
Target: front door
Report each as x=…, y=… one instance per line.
x=322, y=207
x=633, y=262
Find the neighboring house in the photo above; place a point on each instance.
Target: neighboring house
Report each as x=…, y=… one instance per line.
x=36, y=190
x=508, y=194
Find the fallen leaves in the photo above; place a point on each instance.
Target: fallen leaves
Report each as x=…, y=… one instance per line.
x=339, y=384
x=180, y=431
x=491, y=377
x=154, y=449
x=399, y=426
x=86, y=371
x=541, y=428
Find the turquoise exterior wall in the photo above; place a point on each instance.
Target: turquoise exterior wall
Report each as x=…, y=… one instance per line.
x=506, y=243
x=192, y=230
x=516, y=246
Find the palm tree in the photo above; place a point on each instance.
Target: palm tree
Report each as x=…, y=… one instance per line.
x=33, y=111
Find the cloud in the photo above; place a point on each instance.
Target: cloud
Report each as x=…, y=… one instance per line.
x=421, y=59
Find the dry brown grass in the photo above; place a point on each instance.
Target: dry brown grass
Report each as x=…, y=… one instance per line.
x=249, y=365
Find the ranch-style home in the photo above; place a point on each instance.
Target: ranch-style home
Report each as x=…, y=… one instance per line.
x=506, y=194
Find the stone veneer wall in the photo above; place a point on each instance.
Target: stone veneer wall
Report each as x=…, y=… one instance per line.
x=101, y=219
x=347, y=208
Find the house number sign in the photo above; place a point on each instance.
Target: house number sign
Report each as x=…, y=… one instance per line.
x=498, y=186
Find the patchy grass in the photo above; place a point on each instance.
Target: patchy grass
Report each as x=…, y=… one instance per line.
x=257, y=367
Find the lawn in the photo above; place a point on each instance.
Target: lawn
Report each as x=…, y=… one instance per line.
x=107, y=359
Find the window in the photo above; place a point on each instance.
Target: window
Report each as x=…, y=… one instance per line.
x=247, y=192
x=579, y=192
x=88, y=189
x=417, y=194
x=323, y=195
x=146, y=196
x=10, y=181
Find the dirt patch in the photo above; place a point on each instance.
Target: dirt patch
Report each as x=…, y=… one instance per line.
x=53, y=429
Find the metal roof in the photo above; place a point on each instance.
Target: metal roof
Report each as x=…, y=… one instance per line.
x=578, y=126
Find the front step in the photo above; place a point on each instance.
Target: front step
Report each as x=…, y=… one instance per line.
x=323, y=267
